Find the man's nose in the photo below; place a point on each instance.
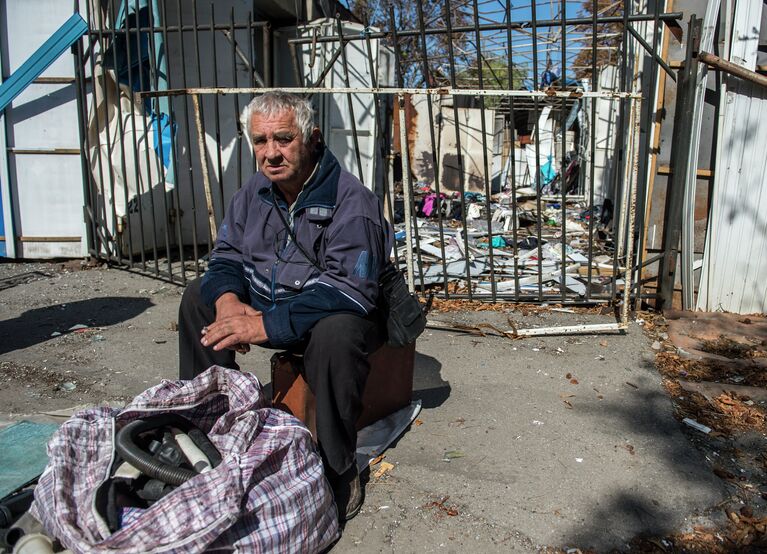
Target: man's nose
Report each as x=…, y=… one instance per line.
x=272, y=151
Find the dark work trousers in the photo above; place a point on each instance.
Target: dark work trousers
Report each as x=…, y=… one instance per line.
x=335, y=356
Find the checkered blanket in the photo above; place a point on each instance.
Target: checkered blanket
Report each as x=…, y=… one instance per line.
x=267, y=495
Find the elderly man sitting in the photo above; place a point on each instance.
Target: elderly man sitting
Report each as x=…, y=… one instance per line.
x=296, y=267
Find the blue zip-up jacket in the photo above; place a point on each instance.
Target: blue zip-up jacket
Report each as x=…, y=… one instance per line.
x=335, y=219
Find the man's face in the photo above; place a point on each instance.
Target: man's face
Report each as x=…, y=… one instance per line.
x=280, y=150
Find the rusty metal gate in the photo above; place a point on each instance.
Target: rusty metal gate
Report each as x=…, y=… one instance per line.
x=509, y=143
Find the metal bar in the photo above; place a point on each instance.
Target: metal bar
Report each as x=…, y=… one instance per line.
x=238, y=149
x=568, y=330
x=732, y=68
x=434, y=148
x=408, y=196
x=391, y=193
x=679, y=153
x=150, y=188
x=563, y=167
x=517, y=25
x=55, y=81
x=266, y=57
x=512, y=130
x=486, y=168
x=632, y=194
x=100, y=206
x=297, y=73
x=188, y=135
x=327, y=69
x=461, y=169
x=204, y=162
x=349, y=102
x=199, y=119
x=173, y=150
x=653, y=50
x=81, y=98
x=537, y=133
x=136, y=168
x=266, y=41
x=48, y=239
x=121, y=133
x=46, y=151
x=217, y=115
x=238, y=53
x=111, y=171
x=154, y=73
x=396, y=91
x=194, y=28
x=649, y=120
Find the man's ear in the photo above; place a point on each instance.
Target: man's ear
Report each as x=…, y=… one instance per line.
x=315, y=140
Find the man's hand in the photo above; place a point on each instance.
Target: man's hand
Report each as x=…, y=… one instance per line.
x=234, y=332
x=228, y=306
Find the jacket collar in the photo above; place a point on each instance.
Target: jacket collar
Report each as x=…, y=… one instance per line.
x=319, y=192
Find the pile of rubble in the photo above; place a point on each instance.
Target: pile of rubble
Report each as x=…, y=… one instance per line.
x=494, y=249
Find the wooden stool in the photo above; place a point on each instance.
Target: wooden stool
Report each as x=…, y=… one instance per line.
x=389, y=386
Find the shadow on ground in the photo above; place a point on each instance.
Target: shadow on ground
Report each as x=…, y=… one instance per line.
x=659, y=508
x=37, y=325
x=428, y=385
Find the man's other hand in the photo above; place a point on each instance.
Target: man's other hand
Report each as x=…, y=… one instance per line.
x=228, y=305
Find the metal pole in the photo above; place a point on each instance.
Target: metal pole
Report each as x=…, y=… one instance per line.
x=204, y=163
x=407, y=194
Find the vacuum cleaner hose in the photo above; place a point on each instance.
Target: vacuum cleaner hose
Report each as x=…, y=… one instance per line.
x=125, y=443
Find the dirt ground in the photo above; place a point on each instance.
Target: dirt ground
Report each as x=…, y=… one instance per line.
x=555, y=444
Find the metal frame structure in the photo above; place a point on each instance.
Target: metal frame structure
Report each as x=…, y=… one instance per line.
x=194, y=104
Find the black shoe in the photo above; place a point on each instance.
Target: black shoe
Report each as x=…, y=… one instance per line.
x=347, y=491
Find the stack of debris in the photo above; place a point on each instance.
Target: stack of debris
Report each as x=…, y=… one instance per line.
x=505, y=247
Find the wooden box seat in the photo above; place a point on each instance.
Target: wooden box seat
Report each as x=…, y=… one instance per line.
x=389, y=386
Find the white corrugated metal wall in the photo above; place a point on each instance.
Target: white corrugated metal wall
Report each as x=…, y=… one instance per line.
x=735, y=258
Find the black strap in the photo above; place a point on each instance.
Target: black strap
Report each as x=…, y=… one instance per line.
x=292, y=235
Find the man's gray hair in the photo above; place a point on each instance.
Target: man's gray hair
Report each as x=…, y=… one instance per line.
x=270, y=104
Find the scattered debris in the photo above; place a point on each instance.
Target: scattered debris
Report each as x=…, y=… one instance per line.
x=452, y=455
x=442, y=507
x=67, y=386
x=77, y=327
x=695, y=425
x=383, y=469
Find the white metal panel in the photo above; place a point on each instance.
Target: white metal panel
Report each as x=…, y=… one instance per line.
x=735, y=261
x=46, y=189
x=691, y=178
x=45, y=116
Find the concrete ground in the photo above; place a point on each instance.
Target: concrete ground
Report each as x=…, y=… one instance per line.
x=561, y=442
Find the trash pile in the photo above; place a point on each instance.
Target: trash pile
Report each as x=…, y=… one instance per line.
x=510, y=254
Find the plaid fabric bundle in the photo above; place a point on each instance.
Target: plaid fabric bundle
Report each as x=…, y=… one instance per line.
x=267, y=495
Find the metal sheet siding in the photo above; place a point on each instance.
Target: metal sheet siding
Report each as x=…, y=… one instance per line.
x=735, y=262
x=44, y=188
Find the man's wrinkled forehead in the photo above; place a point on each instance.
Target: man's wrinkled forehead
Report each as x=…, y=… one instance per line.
x=284, y=121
